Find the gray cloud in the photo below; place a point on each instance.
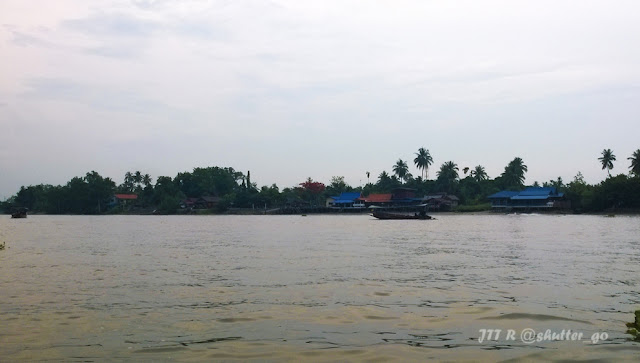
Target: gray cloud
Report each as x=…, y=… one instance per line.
x=112, y=24
x=96, y=96
x=24, y=40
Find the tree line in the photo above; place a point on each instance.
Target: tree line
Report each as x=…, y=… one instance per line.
x=93, y=193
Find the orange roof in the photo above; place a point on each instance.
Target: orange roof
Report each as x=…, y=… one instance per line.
x=378, y=198
x=126, y=196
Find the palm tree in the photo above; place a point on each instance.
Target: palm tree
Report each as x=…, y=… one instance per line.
x=513, y=175
x=635, y=162
x=423, y=160
x=384, y=176
x=128, y=182
x=447, y=176
x=386, y=182
x=401, y=169
x=607, y=160
x=448, y=171
x=128, y=178
x=137, y=178
x=146, y=180
x=479, y=174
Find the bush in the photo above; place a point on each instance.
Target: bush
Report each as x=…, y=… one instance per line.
x=169, y=205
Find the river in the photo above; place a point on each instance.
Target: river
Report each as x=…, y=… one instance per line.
x=321, y=288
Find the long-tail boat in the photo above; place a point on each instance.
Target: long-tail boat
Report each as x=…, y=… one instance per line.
x=20, y=213
x=400, y=215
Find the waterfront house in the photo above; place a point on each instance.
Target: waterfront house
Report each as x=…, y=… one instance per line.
x=404, y=196
x=348, y=200
x=329, y=201
x=539, y=198
x=122, y=199
x=126, y=201
x=380, y=200
x=502, y=199
x=189, y=203
x=207, y=202
x=441, y=201
x=403, y=193
x=296, y=202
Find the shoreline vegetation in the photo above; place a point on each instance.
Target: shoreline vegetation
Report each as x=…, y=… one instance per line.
x=227, y=191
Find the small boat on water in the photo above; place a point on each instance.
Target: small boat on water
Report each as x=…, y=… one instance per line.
x=400, y=215
x=20, y=213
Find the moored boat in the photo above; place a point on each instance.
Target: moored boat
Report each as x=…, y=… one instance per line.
x=20, y=213
x=400, y=215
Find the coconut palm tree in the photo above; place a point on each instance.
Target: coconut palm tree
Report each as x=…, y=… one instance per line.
x=479, y=174
x=447, y=177
x=146, y=180
x=401, y=169
x=127, y=186
x=137, y=178
x=448, y=171
x=607, y=160
x=383, y=177
x=513, y=175
x=635, y=163
x=407, y=177
x=423, y=160
x=128, y=178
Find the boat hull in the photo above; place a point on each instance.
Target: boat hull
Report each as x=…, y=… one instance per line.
x=391, y=215
x=19, y=214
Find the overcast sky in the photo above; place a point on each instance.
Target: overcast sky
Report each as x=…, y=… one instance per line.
x=297, y=89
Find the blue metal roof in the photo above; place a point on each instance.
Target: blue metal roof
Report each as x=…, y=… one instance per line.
x=503, y=194
x=531, y=193
x=538, y=191
x=347, y=197
x=529, y=197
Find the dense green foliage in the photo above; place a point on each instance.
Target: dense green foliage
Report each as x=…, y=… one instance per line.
x=94, y=194
x=81, y=195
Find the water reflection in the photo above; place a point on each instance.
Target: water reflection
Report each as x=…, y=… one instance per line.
x=321, y=287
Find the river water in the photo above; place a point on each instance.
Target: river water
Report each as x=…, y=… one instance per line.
x=321, y=288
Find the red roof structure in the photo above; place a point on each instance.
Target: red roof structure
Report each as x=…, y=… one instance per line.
x=378, y=198
x=126, y=196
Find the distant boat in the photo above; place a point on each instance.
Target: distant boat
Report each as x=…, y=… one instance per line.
x=400, y=215
x=20, y=213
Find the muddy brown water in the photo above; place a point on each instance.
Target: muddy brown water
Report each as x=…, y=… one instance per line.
x=320, y=288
